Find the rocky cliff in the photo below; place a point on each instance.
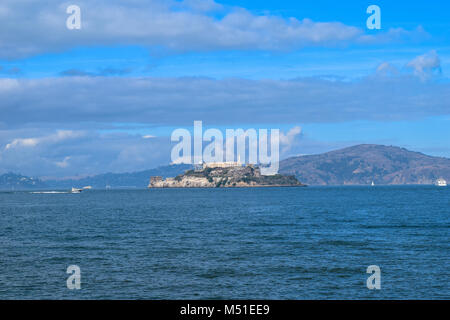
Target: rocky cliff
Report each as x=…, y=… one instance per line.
x=247, y=176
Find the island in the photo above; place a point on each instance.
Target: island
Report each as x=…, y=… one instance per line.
x=224, y=175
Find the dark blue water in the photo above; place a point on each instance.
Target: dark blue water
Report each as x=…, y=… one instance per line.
x=268, y=243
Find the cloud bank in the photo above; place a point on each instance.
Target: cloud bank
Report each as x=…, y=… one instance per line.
x=69, y=101
x=62, y=126
x=33, y=27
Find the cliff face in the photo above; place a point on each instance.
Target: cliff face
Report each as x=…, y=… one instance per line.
x=247, y=176
x=362, y=164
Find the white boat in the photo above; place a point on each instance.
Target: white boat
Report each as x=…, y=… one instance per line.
x=441, y=182
x=372, y=184
x=76, y=190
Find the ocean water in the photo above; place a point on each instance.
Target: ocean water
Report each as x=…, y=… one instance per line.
x=261, y=243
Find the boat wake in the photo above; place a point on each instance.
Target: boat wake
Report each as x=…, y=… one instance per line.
x=48, y=192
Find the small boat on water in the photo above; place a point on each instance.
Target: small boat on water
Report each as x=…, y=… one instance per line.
x=372, y=184
x=76, y=190
x=441, y=182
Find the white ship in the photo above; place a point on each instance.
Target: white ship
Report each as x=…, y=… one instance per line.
x=441, y=182
x=75, y=190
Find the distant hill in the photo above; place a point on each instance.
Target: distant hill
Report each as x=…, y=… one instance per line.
x=121, y=180
x=12, y=181
x=357, y=165
x=362, y=164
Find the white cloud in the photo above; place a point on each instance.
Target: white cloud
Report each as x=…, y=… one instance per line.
x=64, y=163
x=387, y=69
x=182, y=160
x=35, y=27
x=202, y=5
x=59, y=136
x=86, y=153
x=287, y=140
x=394, y=35
x=426, y=64
x=423, y=67
x=30, y=142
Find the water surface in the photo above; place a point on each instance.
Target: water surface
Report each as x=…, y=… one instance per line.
x=258, y=243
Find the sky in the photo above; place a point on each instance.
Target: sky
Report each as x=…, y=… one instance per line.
x=106, y=97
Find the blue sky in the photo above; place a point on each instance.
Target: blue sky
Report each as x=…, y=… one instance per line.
x=106, y=97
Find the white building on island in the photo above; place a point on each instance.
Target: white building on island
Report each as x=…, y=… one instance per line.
x=228, y=164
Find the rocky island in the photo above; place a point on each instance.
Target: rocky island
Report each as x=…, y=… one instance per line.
x=225, y=175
